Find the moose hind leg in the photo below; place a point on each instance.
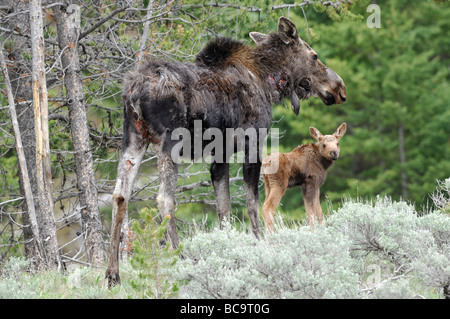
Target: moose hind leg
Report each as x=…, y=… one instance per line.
x=133, y=150
x=168, y=173
x=221, y=182
x=120, y=207
x=271, y=203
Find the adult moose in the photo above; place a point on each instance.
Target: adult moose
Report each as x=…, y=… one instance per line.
x=230, y=85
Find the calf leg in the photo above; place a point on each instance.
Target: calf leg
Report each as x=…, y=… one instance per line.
x=221, y=182
x=311, y=196
x=271, y=203
x=133, y=150
x=168, y=174
x=251, y=179
x=318, y=208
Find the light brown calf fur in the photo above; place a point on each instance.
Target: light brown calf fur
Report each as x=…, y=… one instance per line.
x=305, y=166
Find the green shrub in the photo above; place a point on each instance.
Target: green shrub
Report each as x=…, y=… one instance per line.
x=14, y=267
x=410, y=252
x=152, y=260
x=433, y=266
x=12, y=286
x=290, y=263
x=398, y=289
x=389, y=229
x=441, y=197
x=418, y=247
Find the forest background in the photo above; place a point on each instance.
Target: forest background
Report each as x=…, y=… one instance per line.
x=398, y=115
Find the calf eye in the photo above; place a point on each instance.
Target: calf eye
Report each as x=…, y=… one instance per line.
x=315, y=57
x=323, y=145
x=337, y=144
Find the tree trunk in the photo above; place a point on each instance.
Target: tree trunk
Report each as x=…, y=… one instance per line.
x=92, y=227
x=20, y=75
x=401, y=148
x=43, y=164
x=36, y=242
x=144, y=37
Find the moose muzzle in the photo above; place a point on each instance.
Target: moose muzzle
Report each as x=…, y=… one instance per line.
x=335, y=93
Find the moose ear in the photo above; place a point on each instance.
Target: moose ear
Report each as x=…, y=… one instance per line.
x=258, y=37
x=315, y=133
x=287, y=30
x=340, y=131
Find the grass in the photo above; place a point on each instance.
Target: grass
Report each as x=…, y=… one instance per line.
x=76, y=283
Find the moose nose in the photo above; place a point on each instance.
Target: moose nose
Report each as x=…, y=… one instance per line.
x=342, y=92
x=334, y=155
x=337, y=88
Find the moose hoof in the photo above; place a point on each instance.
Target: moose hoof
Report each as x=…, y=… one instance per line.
x=113, y=278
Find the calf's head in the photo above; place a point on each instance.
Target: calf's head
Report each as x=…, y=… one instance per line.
x=329, y=144
x=308, y=76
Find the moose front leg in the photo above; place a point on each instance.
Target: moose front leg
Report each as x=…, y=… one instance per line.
x=168, y=174
x=133, y=150
x=251, y=179
x=311, y=196
x=221, y=182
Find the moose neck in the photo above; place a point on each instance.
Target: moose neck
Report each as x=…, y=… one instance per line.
x=268, y=67
x=322, y=161
x=326, y=163
x=279, y=81
x=274, y=72
x=265, y=62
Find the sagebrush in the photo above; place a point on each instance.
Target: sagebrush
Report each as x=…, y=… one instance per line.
x=364, y=249
x=326, y=262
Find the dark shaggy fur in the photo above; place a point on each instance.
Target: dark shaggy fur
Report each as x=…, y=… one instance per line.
x=230, y=85
x=217, y=89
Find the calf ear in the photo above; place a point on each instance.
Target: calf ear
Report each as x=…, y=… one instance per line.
x=340, y=130
x=258, y=37
x=287, y=30
x=315, y=133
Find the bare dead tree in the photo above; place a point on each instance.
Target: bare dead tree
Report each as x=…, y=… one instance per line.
x=84, y=167
x=22, y=163
x=18, y=49
x=43, y=164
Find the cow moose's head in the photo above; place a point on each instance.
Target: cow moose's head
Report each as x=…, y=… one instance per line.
x=308, y=76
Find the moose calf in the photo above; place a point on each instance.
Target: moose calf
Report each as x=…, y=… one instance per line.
x=305, y=166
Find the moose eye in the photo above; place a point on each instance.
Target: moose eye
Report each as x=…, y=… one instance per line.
x=337, y=144
x=315, y=57
x=323, y=145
